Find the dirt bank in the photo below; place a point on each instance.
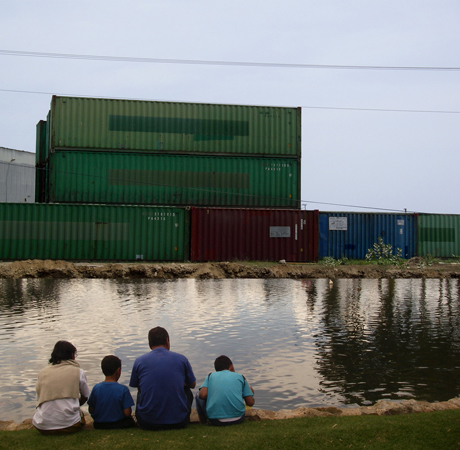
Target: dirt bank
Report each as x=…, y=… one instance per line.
x=65, y=269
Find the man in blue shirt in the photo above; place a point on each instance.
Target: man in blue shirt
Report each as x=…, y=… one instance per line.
x=163, y=379
x=223, y=395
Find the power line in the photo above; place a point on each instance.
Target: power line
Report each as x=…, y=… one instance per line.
x=219, y=63
x=213, y=191
x=338, y=108
x=150, y=184
x=437, y=111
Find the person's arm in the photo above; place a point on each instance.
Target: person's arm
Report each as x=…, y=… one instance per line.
x=83, y=387
x=203, y=394
x=190, y=380
x=128, y=402
x=247, y=390
x=249, y=400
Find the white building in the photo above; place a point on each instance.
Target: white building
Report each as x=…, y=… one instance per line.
x=17, y=176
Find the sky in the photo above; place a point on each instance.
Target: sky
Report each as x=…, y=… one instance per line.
x=374, y=138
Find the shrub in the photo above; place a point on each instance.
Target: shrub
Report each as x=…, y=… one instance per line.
x=383, y=254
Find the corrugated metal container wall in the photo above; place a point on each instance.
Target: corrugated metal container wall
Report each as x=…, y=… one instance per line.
x=104, y=124
x=93, y=232
x=19, y=183
x=219, y=234
x=17, y=176
x=438, y=235
x=351, y=235
x=133, y=178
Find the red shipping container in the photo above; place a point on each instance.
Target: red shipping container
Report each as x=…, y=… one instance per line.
x=226, y=234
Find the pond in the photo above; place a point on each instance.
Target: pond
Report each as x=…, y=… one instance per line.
x=298, y=342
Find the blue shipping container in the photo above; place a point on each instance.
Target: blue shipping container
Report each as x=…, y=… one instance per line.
x=351, y=235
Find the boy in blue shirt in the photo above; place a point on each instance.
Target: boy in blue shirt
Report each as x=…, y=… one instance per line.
x=110, y=402
x=223, y=395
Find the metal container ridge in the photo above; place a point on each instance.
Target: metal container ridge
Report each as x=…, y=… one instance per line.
x=351, y=235
x=438, y=235
x=161, y=127
x=219, y=234
x=182, y=180
x=93, y=232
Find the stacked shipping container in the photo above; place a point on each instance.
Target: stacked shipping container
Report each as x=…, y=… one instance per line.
x=169, y=179
x=351, y=235
x=162, y=153
x=438, y=235
x=93, y=232
x=219, y=234
x=152, y=233
x=183, y=154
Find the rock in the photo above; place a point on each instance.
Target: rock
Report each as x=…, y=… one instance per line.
x=8, y=425
x=194, y=417
x=332, y=410
x=26, y=425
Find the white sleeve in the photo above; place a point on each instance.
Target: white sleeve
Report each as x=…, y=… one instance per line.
x=84, y=389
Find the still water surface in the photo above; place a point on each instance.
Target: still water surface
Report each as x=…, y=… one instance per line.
x=298, y=342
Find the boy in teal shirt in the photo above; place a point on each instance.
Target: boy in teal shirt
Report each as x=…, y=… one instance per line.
x=223, y=395
x=110, y=403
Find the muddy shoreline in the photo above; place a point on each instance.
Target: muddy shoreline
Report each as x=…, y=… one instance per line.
x=219, y=270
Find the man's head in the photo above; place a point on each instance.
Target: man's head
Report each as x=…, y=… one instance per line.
x=223, y=363
x=158, y=337
x=110, y=364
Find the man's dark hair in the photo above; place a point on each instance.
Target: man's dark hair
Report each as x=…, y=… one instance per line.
x=110, y=364
x=222, y=363
x=158, y=336
x=62, y=351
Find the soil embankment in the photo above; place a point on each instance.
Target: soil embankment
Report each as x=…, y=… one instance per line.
x=218, y=270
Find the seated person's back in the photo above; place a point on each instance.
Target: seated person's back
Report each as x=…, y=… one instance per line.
x=110, y=402
x=223, y=395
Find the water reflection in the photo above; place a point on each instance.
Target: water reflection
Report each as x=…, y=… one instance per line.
x=299, y=342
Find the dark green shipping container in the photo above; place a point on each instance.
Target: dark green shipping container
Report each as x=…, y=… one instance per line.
x=438, y=235
x=179, y=180
x=167, y=127
x=93, y=232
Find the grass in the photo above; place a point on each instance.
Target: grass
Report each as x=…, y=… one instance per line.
x=436, y=430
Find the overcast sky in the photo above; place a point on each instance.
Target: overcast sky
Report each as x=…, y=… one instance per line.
x=352, y=156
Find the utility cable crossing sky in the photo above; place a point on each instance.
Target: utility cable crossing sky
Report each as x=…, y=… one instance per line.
x=219, y=63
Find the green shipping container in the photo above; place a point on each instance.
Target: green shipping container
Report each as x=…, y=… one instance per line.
x=93, y=232
x=438, y=235
x=179, y=180
x=166, y=127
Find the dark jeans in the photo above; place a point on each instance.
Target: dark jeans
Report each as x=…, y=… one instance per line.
x=168, y=426
x=127, y=422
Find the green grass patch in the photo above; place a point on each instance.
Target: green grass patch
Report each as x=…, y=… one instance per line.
x=436, y=430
